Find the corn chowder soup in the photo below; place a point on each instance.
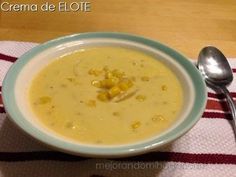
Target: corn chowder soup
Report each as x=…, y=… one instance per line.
x=106, y=95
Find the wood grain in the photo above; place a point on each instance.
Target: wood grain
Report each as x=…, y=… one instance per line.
x=186, y=26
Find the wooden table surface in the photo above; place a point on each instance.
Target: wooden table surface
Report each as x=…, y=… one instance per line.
x=184, y=25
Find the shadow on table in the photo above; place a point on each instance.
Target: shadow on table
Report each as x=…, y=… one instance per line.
x=12, y=138
x=20, y=155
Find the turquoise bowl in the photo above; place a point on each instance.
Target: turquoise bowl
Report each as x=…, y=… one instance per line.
x=18, y=79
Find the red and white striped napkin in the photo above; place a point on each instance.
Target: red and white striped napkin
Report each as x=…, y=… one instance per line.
x=208, y=149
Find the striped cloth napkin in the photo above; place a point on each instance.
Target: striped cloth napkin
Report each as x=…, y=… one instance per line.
x=208, y=149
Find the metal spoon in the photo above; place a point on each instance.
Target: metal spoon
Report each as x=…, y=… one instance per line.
x=218, y=74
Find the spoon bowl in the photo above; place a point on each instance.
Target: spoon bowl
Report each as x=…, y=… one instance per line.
x=218, y=74
x=214, y=66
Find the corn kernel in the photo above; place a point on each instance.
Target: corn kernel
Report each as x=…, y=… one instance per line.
x=115, y=80
x=91, y=103
x=109, y=75
x=94, y=72
x=70, y=125
x=103, y=96
x=108, y=83
x=91, y=71
x=156, y=118
x=118, y=74
x=44, y=100
x=97, y=72
x=128, y=82
x=136, y=125
x=114, y=91
x=71, y=79
x=63, y=85
x=96, y=83
x=98, y=142
x=116, y=114
x=123, y=86
x=163, y=87
x=140, y=97
x=145, y=78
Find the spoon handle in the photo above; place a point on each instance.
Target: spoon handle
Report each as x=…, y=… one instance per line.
x=232, y=107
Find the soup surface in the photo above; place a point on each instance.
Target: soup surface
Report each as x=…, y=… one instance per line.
x=106, y=95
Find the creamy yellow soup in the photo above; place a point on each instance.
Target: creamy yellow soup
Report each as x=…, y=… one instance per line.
x=106, y=95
